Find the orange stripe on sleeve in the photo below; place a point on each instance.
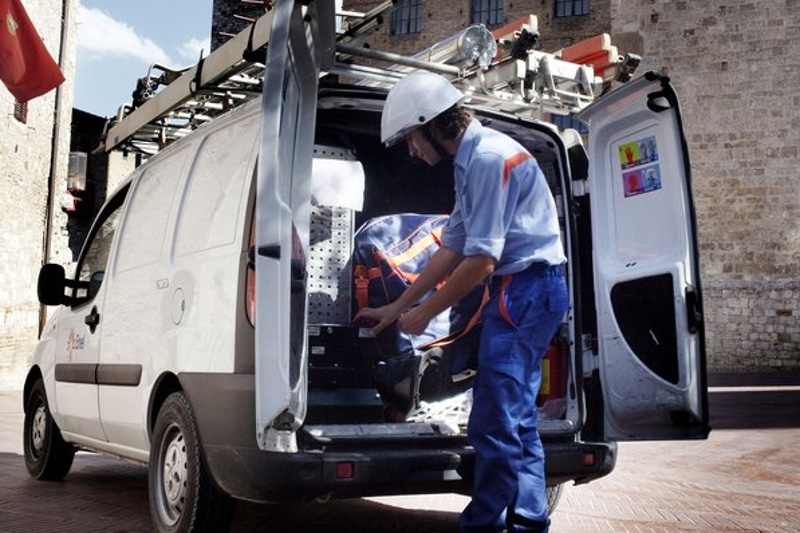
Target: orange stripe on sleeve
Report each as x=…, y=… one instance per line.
x=512, y=162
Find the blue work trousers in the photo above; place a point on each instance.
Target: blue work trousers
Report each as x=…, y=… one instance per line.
x=519, y=321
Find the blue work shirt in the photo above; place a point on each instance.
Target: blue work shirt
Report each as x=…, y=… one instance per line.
x=503, y=205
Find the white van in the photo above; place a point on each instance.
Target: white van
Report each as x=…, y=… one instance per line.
x=221, y=271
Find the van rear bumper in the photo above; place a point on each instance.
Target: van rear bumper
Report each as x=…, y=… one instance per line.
x=225, y=414
x=254, y=475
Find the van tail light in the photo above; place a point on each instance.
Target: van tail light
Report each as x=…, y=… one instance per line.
x=251, y=295
x=250, y=285
x=588, y=459
x=345, y=470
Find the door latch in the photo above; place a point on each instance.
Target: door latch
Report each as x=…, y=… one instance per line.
x=92, y=319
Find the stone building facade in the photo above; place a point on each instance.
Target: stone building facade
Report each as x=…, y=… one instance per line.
x=229, y=17
x=736, y=67
x=34, y=149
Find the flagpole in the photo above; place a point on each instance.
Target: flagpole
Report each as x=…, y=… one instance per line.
x=66, y=15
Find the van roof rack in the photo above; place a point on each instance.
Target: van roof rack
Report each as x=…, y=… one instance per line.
x=500, y=70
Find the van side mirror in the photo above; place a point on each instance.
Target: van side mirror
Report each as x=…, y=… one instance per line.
x=51, y=285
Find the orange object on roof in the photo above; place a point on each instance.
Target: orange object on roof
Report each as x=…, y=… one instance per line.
x=515, y=26
x=596, y=51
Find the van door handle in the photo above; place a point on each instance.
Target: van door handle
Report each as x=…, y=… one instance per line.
x=298, y=276
x=92, y=319
x=694, y=313
x=270, y=250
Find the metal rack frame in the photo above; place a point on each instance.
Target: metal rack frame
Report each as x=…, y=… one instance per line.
x=523, y=81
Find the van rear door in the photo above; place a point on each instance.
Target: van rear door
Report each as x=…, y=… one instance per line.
x=650, y=322
x=301, y=38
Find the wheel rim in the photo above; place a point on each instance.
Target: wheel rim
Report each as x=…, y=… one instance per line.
x=173, y=475
x=38, y=430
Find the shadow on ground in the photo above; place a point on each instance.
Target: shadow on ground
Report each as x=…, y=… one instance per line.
x=102, y=494
x=753, y=409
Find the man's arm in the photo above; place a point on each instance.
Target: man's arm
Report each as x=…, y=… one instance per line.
x=437, y=269
x=469, y=272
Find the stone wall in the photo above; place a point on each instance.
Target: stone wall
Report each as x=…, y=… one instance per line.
x=753, y=326
x=224, y=21
x=443, y=18
x=736, y=66
x=25, y=157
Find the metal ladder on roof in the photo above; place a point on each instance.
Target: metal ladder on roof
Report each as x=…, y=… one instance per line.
x=517, y=78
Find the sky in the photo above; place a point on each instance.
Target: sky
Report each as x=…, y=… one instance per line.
x=118, y=40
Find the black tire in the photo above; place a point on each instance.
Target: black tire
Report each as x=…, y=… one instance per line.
x=553, y=497
x=47, y=456
x=183, y=497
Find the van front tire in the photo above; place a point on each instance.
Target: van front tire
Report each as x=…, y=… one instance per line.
x=47, y=456
x=183, y=497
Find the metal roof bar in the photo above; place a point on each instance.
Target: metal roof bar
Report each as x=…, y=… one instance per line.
x=397, y=58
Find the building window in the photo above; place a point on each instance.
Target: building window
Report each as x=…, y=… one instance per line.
x=568, y=121
x=407, y=17
x=21, y=112
x=489, y=12
x=571, y=8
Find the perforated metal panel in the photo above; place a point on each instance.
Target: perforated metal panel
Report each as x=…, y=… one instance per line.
x=329, y=272
x=331, y=245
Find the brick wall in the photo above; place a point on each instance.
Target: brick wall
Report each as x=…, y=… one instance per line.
x=25, y=155
x=753, y=326
x=443, y=18
x=735, y=66
x=224, y=23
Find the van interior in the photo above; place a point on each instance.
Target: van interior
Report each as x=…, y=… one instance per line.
x=384, y=181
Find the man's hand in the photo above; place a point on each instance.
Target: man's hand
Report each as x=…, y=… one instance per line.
x=437, y=269
x=413, y=321
x=377, y=318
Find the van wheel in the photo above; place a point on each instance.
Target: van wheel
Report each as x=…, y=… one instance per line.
x=553, y=497
x=183, y=497
x=47, y=456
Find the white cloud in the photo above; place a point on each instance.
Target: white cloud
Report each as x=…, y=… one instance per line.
x=100, y=36
x=190, y=50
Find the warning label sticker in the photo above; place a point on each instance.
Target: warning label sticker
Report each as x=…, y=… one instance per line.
x=641, y=171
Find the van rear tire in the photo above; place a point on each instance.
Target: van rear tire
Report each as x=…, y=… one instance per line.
x=183, y=497
x=47, y=456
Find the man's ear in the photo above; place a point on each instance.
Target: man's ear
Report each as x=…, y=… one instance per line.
x=434, y=131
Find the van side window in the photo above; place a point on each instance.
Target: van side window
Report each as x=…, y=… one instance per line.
x=92, y=264
x=210, y=206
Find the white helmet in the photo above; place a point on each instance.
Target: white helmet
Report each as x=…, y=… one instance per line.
x=414, y=101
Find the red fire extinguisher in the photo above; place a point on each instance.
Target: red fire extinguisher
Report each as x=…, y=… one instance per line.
x=554, y=372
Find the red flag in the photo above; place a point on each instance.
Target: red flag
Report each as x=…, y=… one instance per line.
x=26, y=67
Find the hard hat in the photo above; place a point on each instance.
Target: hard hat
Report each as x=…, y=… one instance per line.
x=414, y=101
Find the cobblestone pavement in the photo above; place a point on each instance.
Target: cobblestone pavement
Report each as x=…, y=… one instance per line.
x=746, y=477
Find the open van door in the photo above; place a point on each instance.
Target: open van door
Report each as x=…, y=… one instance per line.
x=302, y=40
x=648, y=297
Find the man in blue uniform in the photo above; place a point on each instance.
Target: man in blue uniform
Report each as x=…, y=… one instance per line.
x=504, y=226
